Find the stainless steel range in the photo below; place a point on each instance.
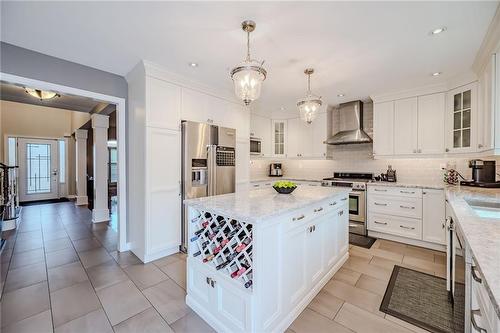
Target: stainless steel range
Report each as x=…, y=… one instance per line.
x=357, y=197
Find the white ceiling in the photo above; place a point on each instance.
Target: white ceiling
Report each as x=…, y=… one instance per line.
x=357, y=48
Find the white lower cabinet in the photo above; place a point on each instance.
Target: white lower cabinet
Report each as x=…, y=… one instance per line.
x=413, y=213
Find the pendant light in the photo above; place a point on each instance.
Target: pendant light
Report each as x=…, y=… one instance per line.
x=309, y=106
x=41, y=94
x=248, y=75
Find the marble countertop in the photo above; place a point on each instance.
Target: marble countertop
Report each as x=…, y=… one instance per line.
x=256, y=205
x=276, y=179
x=481, y=234
x=438, y=186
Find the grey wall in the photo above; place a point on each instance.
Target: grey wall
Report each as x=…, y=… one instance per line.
x=23, y=62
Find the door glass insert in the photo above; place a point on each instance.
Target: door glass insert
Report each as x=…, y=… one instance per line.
x=279, y=138
x=462, y=119
x=354, y=205
x=38, y=168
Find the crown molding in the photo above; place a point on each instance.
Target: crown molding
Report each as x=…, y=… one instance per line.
x=490, y=44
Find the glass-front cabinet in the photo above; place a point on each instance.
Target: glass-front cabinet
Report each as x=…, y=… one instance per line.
x=279, y=135
x=461, y=119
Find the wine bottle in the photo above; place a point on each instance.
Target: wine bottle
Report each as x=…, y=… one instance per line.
x=204, y=244
x=248, y=284
x=224, y=264
x=194, y=238
x=204, y=224
x=208, y=258
x=195, y=219
x=243, y=245
x=196, y=254
x=199, y=232
x=217, y=249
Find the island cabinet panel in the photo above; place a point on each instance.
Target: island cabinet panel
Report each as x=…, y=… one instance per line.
x=258, y=274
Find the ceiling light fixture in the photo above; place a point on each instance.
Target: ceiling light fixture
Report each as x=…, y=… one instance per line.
x=437, y=31
x=309, y=106
x=193, y=64
x=340, y=95
x=436, y=73
x=41, y=94
x=248, y=75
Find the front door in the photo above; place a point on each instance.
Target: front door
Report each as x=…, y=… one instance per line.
x=38, y=169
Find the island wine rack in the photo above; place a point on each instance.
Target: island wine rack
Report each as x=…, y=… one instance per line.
x=225, y=244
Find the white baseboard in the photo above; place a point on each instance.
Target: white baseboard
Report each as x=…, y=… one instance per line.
x=100, y=215
x=81, y=200
x=416, y=242
x=161, y=254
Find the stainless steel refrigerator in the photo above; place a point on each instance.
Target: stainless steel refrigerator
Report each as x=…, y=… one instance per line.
x=208, y=162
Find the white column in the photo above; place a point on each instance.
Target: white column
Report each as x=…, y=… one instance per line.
x=81, y=167
x=100, y=124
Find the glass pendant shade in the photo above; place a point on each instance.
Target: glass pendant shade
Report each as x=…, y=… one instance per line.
x=248, y=76
x=41, y=94
x=309, y=106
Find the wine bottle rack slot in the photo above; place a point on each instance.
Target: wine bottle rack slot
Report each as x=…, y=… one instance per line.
x=224, y=243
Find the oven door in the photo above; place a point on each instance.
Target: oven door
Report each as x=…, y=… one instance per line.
x=357, y=206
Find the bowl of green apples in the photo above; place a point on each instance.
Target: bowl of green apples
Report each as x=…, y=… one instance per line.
x=284, y=187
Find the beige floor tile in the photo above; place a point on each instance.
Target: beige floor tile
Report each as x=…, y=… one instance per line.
x=73, y=302
x=148, y=321
x=326, y=304
x=94, y=257
x=424, y=265
x=368, y=269
x=61, y=257
x=419, y=253
x=105, y=275
x=362, y=321
x=191, y=323
x=357, y=296
x=166, y=260
x=169, y=300
x=66, y=276
x=27, y=258
x=54, y=234
x=440, y=258
x=125, y=258
x=372, y=284
x=309, y=321
x=95, y=321
x=392, y=246
x=145, y=275
x=398, y=257
x=122, y=301
x=25, y=276
x=57, y=244
x=27, y=245
x=347, y=275
x=405, y=324
x=39, y=323
x=24, y=303
x=384, y=263
x=177, y=272
x=86, y=244
x=23, y=236
x=360, y=252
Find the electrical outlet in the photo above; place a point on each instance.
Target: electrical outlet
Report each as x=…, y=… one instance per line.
x=442, y=166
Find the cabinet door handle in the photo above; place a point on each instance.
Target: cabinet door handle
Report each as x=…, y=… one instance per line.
x=318, y=209
x=341, y=213
x=420, y=151
x=473, y=313
x=414, y=151
x=474, y=275
x=333, y=203
x=383, y=223
x=406, y=207
x=378, y=190
x=314, y=228
x=447, y=150
x=209, y=280
x=379, y=204
x=298, y=218
x=408, y=228
x=407, y=192
x=212, y=283
x=343, y=199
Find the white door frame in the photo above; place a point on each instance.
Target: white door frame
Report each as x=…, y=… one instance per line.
x=120, y=103
x=54, y=159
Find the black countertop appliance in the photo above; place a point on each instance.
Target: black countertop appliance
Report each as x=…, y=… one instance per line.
x=483, y=174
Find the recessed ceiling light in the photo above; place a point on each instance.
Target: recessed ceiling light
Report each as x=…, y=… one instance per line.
x=282, y=108
x=193, y=64
x=437, y=31
x=436, y=73
x=340, y=95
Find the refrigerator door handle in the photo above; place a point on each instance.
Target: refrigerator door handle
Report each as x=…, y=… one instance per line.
x=211, y=169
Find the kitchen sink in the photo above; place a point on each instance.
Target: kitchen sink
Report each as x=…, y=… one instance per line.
x=485, y=209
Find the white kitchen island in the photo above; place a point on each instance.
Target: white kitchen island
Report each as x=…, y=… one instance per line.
x=257, y=258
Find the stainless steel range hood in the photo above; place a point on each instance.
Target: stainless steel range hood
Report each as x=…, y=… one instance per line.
x=351, y=125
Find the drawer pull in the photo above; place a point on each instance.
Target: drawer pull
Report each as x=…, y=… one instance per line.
x=379, y=204
x=405, y=227
x=407, y=192
x=333, y=203
x=406, y=207
x=318, y=209
x=343, y=199
x=298, y=218
x=473, y=321
x=383, y=223
x=378, y=190
x=474, y=275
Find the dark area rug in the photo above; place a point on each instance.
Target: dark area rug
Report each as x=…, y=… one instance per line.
x=422, y=300
x=43, y=202
x=363, y=241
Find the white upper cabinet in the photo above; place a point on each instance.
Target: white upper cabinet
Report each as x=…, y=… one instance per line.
x=431, y=124
x=486, y=107
x=461, y=119
x=260, y=127
x=163, y=104
x=405, y=126
x=319, y=135
x=294, y=136
x=383, y=128
x=279, y=131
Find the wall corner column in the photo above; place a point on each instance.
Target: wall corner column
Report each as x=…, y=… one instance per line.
x=81, y=167
x=100, y=124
